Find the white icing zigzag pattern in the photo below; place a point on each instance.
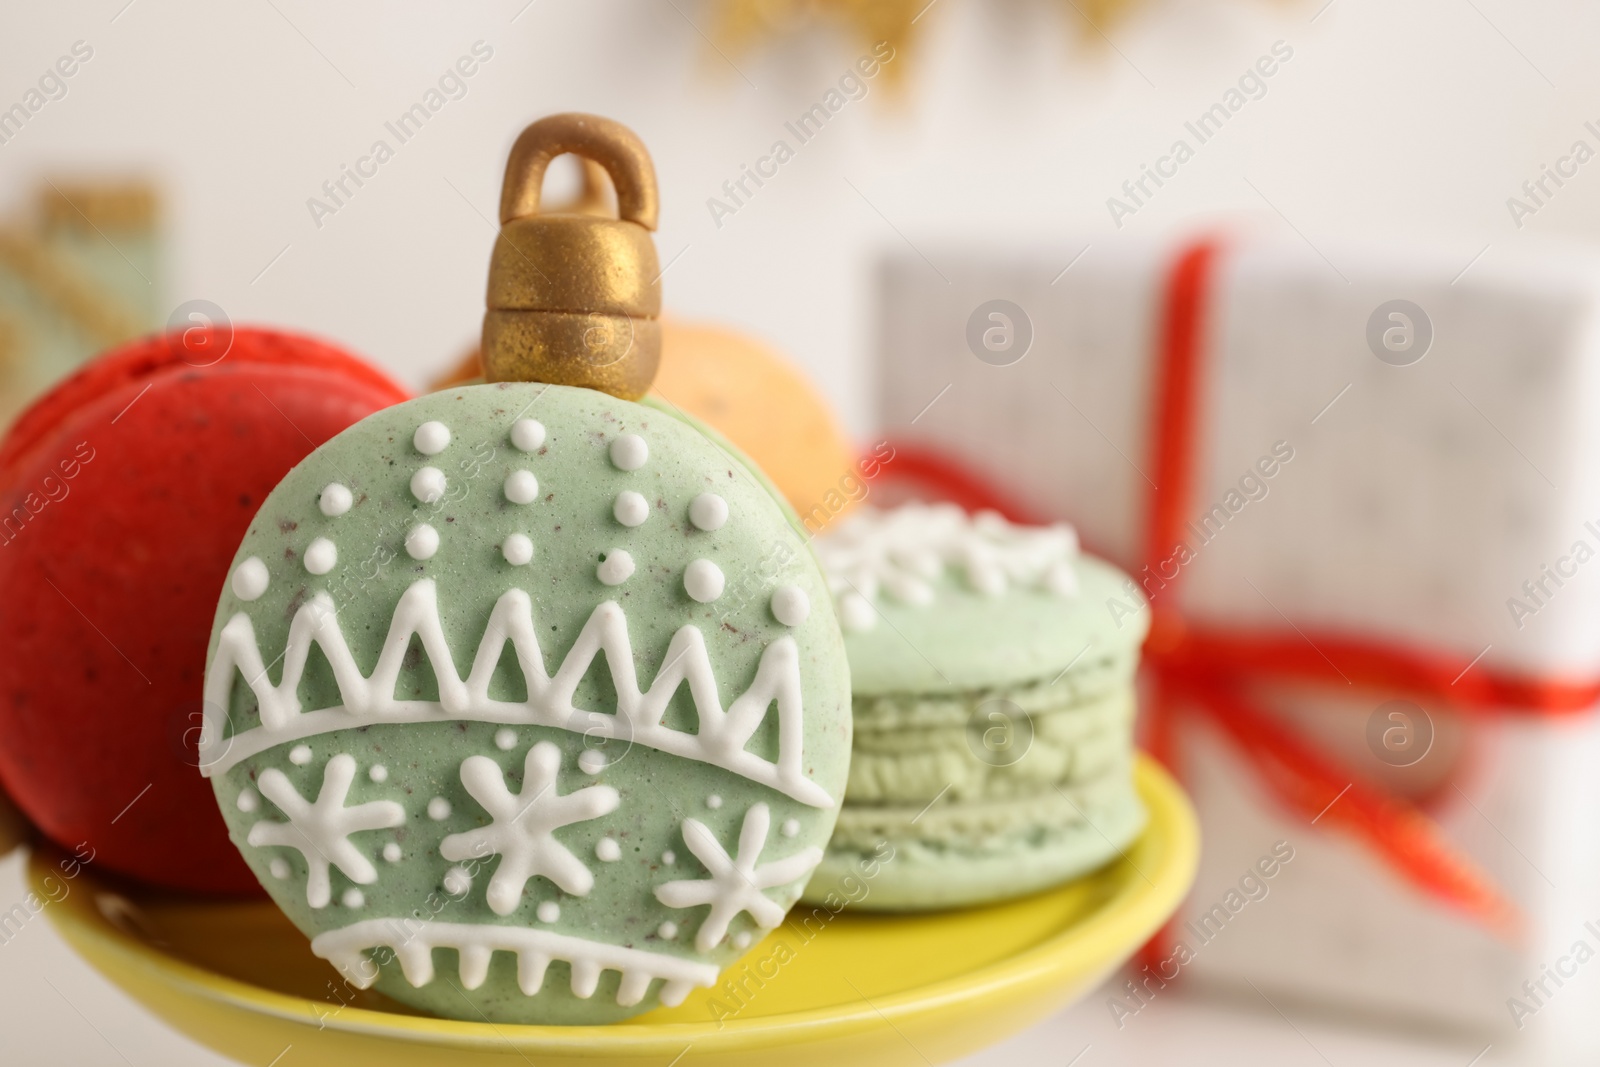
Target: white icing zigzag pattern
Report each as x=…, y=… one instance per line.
x=902, y=552
x=413, y=944
x=720, y=739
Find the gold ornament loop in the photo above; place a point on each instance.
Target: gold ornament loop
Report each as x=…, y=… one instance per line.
x=574, y=296
x=604, y=141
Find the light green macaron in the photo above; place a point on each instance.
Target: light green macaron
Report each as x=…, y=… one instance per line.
x=994, y=709
x=527, y=704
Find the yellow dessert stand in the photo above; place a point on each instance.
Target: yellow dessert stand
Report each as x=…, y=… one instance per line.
x=861, y=989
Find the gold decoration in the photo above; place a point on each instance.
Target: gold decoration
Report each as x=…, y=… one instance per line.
x=574, y=297
x=98, y=313
x=740, y=25
x=123, y=205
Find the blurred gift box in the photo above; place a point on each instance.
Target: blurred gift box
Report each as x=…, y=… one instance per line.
x=1359, y=490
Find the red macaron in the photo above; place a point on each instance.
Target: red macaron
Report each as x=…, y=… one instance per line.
x=124, y=493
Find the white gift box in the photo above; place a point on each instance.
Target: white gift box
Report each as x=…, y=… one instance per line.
x=1434, y=485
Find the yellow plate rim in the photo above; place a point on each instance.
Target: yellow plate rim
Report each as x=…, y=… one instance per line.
x=1112, y=933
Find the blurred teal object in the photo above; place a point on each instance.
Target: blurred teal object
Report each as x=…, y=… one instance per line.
x=81, y=274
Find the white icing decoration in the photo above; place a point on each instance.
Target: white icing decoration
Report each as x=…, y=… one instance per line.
x=790, y=827
x=320, y=830
x=300, y=755
x=429, y=484
x=548, y=911
x=522, y=487
x=900, y=553
x=720, y=737
x=250, y=579
x=527, y=435
x=741, y=940
x=522, y=831
x=353, y=898
x=413, y=944
x=431, y=438
x=629, y=452
x=335, y=500
x=518, y=550
x=713, y=802
x=708, y=511
x=856, y=612
x=391, y=852
x=422, y=542
x=592, y=761
x=247, y=800
x=321, y=555
x=439, y=810
x=703, y=580
x=505, y=739
x=379, y=773
x=278, y=868
x=790, y=605
x=667, y=931
x=631, y=508
x=457, y=881
x=607, y=850
x=735, y=884
x=616, y=568
x=669, y=857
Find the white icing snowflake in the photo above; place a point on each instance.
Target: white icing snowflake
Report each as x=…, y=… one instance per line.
x=522, y=831
x=320, y=831
x=735, y=884
x=901, y=552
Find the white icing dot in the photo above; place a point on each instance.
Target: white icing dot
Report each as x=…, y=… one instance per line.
x=667, y=931
x=592, y=761
x=438, y=809
x=856, y=613
x=518, y=550
x=713, y=801
x=457, y=880
x=631, y=508
x=321, y=555
x=616, y=568
x=335, y=499
x=422, y=542
x=629, y=452
x=791, y=827
x=522, y=487
x=391, y=852
x=431, y=438
x=1062, y=579
x=247, y=800
x=527, y=435
x=790, y=605
x=703, y=580
x=608, y=850
x=548, y=911
x=505, y=739
x=354, y=898
x=708, y=511
x=741, y=940
x=428, y=485
x=250, y=579
x=279, y=868
x=379, y=773
x=300, y=755
x=669, y=857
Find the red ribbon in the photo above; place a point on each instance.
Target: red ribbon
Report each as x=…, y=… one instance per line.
x=1210, y=672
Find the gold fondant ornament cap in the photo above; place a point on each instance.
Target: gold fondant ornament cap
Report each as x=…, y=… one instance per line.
x=575, y=298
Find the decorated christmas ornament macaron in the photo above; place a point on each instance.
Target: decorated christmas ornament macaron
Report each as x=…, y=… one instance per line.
x=512, y=670
x=123, y=494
